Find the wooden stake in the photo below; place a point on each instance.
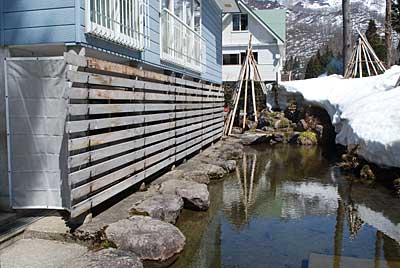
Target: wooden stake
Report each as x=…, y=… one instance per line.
x=360, y=61
x=366, y=59
x=245, y=95
x=237, y=102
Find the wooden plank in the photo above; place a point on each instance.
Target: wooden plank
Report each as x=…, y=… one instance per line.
x=94, y=124
x=106, y=180
x=95, y=155
x=104, y=94
x=92, y=109
x=86, y=173
x=97, y=199
x=99, y=139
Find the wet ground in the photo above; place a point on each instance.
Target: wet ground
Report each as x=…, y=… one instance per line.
x=289, y=206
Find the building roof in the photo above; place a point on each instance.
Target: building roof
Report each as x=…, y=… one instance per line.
x=275, y=19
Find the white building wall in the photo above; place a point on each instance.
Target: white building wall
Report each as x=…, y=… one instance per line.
x=235, y=42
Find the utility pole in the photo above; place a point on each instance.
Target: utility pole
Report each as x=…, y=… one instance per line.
x=388, y=33
x=346, y=12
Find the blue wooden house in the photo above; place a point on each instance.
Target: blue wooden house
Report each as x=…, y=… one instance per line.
x=179, y=36
x=98, y=95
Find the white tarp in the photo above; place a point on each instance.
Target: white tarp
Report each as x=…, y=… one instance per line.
x=38, y=142
x=364, y=111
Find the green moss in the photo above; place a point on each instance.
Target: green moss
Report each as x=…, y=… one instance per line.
x=307, y=138
x=107, y=244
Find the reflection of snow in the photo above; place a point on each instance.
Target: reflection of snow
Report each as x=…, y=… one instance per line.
x=380, y=222
x=308, y=198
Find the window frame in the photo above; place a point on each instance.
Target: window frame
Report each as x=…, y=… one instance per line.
x=240, y=17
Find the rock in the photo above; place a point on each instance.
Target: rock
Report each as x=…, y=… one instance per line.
x=236, y=130
x=107, y=258
x=173, y=174
x=255, y=138
x=195, y=195
x=307, y=138
x=278, y=137
x=214, y=172
x=267, y=129
x=302, y=125
x=165, y=207
x=396, y=184
x=150, y=239
x=282, y=123
x=199, y=176
x=366, y=173
x=230, y=165
x=251, y=124
x=319, y=129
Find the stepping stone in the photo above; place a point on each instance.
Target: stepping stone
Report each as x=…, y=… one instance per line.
x=195, y=195
x=152, y=240
x=107, y=258
x=165, y=207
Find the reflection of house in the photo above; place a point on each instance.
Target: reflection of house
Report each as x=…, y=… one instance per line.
x=268, y=28
x=126, y=58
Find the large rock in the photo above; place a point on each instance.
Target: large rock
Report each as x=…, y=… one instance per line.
x=150, y=239
x=217, y=160
x=198, y=167
x=195, y=195
x=165, y=207
x=173, y=174
x=107, y=258
x=250, y=138
x=199, y=176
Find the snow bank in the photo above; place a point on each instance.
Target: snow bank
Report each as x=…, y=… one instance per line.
x=364, y=111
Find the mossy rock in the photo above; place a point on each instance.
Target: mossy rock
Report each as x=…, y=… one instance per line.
x=282, y=123
x=366, y=173
x=307, y=138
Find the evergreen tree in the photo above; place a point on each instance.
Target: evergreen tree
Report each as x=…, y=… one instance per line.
x=376, y=42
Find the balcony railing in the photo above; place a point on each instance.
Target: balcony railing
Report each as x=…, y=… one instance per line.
x=121, y=21
x=180, y=44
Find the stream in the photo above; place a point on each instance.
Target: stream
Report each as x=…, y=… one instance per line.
x=290, y=206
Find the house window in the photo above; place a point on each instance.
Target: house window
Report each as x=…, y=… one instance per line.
x=243, y=57
x=231, y=59
x=240, y=22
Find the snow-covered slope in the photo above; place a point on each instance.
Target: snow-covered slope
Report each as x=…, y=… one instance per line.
x=364, y=111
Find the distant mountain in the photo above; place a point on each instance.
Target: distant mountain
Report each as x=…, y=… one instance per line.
x=315, y=24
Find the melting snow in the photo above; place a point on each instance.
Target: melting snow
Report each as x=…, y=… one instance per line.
x=364, y=111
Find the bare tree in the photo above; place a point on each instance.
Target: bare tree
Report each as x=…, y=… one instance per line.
x=388, y=33
x=346, y=11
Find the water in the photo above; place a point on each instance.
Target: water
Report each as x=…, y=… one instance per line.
x=289, y=206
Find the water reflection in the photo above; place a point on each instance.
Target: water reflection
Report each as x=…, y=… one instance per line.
x=290, y=207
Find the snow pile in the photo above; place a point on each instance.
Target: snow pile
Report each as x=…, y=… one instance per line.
x=364, y=111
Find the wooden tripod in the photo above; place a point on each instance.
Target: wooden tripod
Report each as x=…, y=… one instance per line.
x=248, y=72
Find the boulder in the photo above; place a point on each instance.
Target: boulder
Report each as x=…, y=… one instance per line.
x=199, y=176
x=150, y=239
x=214, y=172
x=255, y=138
x=165, y=207
x=195, y=195
x=107, y=258
x=173, y=174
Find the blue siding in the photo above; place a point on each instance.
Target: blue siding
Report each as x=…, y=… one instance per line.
x=212, y=33
x=27, y=22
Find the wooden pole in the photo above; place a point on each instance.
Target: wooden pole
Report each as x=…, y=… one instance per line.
x=253, y=93
x=245, y=93
x=366, y=59
x=226, y=129
x=370, y=60
x=237, y=102
x=356, y=64
x=379, y=62
x=360, y=59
